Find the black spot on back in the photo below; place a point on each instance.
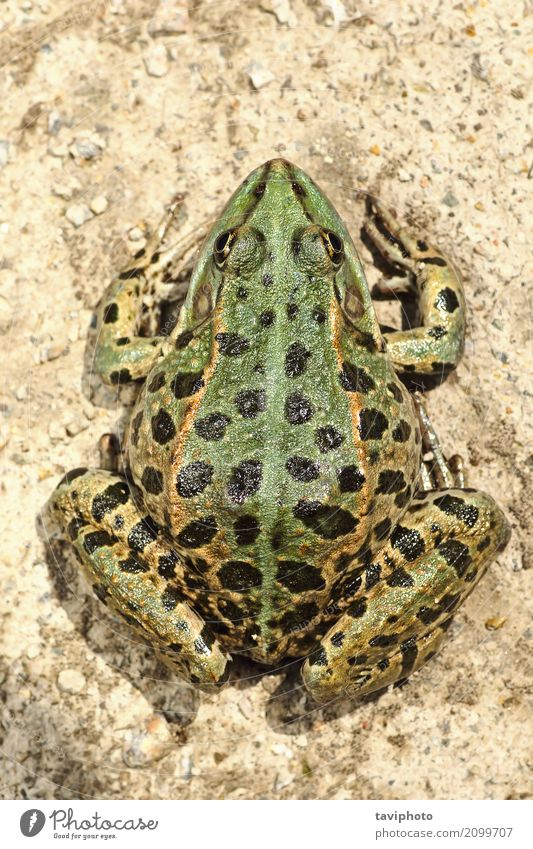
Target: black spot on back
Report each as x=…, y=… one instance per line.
x=328, y=522
x=302, y=469
x=292, y=310
x=267, y=318
x=193, y=479
x=299, y=577
x=212, y=427
x=245, y=480
x=328, y=438
x=239, y=575
x=246, y=530
x=351, y=479
x=296, y=359
x=250, y=402
x=298, y=408
x=318, y=315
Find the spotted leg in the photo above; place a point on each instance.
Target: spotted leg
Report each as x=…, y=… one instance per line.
x=132, y=568
x=436, y=346
x=122, y=356
x=429, y=565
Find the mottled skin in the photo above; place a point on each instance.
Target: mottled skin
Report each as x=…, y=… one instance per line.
x=272, y=503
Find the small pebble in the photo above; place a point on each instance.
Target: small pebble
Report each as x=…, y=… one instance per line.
x=156, y=61
x=85, y=149
x=99, y=204
x=259, y=76
x=55, y=122
x=135, y=234
x=78, y=214
x=76, y=426
x=21, y=394
x=148, y=743
x=449, y=199
x=70, y=681
x=403, y=175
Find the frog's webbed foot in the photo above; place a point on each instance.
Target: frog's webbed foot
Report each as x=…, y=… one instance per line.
x=436, y=471
x=436, y=346
x=135, y=572
x=429, y=565
x=154, y=274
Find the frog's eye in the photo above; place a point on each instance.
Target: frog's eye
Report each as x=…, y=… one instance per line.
x=334, y=246
x=222, y=247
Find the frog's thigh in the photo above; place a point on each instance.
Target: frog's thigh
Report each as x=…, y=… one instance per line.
x=133, y=571
x=429, y=565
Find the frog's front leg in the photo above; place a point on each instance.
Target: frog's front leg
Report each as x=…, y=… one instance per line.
x=437, y=345
x=134, y=570
x=429, y=565
x=122, y=356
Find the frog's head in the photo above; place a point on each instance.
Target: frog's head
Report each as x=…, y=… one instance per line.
x=280, y=240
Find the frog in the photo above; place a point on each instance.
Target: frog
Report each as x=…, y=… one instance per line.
x=274, y=500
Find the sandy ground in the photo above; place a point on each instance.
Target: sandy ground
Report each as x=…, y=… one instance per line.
x=107, y=110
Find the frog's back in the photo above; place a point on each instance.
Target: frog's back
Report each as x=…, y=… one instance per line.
x=276, y=431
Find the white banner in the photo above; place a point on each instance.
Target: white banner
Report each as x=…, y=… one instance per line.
x=235, y=824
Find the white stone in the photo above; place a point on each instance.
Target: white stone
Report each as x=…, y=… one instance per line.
x=404, y=176
x=99, y=204
x=156, y=61
x=70, y=681
x=78, y=214
x=135, y=234
x=259, y=76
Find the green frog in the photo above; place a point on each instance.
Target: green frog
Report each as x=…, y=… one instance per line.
x=272, y=500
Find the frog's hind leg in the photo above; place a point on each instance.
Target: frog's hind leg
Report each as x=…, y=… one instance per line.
x=437, y=345
x=121, y=355
x=428, y=567
x=134, y=570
